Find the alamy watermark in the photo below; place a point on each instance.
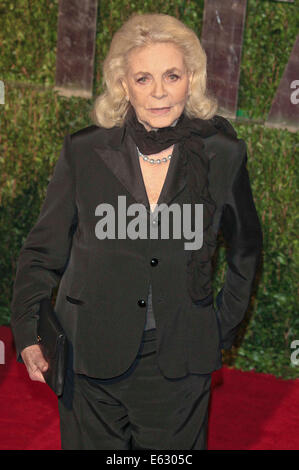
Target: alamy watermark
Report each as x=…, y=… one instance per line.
x=138, y=226
x=2, y=352
x=2, y=92
x=295, y=94
x=295, y=354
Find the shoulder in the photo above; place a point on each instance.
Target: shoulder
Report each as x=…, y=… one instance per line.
x=225, y=143
x=93, y=135
x=85, y=132
x=226, y=152
x=223, y=126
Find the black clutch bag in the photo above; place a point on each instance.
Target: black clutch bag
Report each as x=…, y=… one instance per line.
x=53, y=343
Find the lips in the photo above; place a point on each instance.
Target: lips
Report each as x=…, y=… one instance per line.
x=159, y=110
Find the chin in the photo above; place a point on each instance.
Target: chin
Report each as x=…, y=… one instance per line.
x=161, y=121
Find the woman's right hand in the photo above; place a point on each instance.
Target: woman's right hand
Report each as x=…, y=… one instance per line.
x=34, y=362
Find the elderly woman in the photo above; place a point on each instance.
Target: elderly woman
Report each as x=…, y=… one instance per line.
x=135, y=298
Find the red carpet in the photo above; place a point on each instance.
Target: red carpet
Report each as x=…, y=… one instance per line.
x=248, y=411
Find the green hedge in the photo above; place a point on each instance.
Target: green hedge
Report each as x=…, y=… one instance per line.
x=35, y=119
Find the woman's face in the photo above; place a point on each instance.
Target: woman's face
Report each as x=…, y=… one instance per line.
x=157, y=84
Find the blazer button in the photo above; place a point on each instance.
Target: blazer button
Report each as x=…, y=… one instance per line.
x=141, y=303
x=154, y=261
x=156, y=222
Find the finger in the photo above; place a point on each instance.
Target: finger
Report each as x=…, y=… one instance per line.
x=41, y=363
x=37, y=367
x=37, y=360
x=36, y=375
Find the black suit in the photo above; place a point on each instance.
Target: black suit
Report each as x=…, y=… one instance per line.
x=104, y=282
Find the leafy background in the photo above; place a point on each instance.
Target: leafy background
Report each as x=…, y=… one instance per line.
x=35, y=119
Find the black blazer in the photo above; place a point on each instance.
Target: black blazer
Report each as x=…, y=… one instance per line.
x=104, y=283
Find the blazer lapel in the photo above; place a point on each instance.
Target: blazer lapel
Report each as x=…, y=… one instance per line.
x=121, y=157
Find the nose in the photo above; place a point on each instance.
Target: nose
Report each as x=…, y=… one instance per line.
x=158, y=90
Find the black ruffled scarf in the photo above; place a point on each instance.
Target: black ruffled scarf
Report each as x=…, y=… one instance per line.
x=188, y=133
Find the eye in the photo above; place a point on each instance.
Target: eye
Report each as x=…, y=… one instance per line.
x=173, y=77
x=141, y=79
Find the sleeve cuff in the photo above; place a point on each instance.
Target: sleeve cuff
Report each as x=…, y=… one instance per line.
x=25, y=334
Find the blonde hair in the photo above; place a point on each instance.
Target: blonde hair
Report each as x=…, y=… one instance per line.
x=140, y=30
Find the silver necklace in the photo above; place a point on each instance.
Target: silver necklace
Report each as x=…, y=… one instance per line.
x=152, y=160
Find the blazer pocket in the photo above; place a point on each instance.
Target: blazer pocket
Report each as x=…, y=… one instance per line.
x=72, y=300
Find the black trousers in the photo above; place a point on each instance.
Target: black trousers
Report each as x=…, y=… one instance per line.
x=141, y=409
